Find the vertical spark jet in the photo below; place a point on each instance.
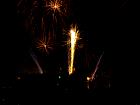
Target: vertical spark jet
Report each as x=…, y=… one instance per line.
x=73, y=39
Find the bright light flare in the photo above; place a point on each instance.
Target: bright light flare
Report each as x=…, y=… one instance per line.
x=88, y=78
x=74, y=33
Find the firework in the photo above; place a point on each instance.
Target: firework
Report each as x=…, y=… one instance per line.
x=44, y=45
x=95, y=70
x=54, y=8
x=92, y=77
x=55, y=5
x=57, y=9
x=36, y=62
x=74, y=33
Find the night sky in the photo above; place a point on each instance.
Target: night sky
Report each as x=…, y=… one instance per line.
x=100, y=22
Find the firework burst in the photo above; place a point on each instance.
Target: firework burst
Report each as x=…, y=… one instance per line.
x=57, y=9
x=44, y=45
x=55, y=5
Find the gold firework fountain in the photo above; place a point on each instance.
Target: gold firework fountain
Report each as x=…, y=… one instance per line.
x=74, y=33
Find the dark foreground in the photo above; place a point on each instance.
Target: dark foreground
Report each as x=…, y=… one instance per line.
x=53, y=91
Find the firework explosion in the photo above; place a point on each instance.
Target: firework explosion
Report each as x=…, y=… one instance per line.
x=56, y=10
x=55, y=5
x=44, y=45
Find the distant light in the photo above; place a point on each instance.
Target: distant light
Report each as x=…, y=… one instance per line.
x=60, y=68
x=41, y=72
x=88, y=78
x=59, y=76
x=3, y=99
x=18, y=78
x=57, y=84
